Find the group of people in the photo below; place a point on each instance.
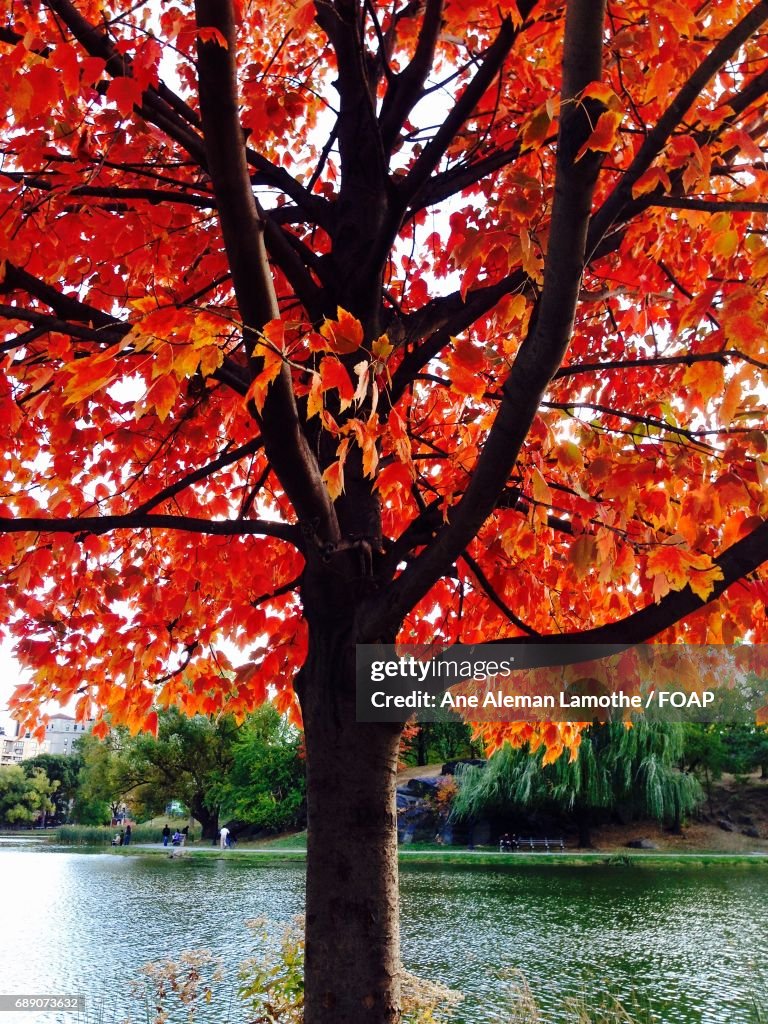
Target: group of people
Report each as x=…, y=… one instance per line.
x=123, y=837
x=178, y=838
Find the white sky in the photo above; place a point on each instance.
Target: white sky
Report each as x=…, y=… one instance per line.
x=10, y=675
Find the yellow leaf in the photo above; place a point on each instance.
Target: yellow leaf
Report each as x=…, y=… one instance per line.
x=582, y=554
x=381, y=348
x=604, y=93
x=334, y=479
x=88, y=375
x=569, y=455
x=344, y=334
x=257, y=392
x=540, y=487
x=726, y=244
x=162, y=396
x=315, y=397
x=650, y=181
x=705, y=379
x=537, y=128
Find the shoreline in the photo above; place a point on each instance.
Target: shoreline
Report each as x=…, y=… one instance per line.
x=485, y=859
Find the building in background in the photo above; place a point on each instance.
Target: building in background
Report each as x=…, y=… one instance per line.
x=15, y=749
x=62, y=732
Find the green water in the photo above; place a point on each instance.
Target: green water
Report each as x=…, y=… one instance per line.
x=690, y=943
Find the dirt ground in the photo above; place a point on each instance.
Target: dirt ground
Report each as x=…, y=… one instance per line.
x=739, y=805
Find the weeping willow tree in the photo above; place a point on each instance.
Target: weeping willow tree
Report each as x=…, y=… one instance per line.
x=628, y=770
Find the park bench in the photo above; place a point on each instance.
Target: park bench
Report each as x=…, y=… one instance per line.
x=531, y=844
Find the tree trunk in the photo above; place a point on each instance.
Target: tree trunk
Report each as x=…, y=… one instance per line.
x=421, y=746
x=209, y=820
x=352, y=908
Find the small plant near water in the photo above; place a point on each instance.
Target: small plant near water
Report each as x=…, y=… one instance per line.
x=186, y=983
x=606, y=1008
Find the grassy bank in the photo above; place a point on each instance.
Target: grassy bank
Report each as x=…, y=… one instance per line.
x=473, y=859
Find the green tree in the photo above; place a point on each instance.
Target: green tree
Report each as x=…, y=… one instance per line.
x=188, y=761
x=100, y=792
x=439, y=742
x=631, y=770
x=24, y=798
x=64, y=770
x=265, y=785
x=704, y=752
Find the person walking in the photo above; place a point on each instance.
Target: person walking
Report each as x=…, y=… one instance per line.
x=166, y=835
x=223, y=837
x=127, y=838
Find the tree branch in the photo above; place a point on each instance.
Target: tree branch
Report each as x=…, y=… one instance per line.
x=491, y=594
x=98, y=525
x=227, y=458
x=736, y=563
x=242, y=225
x=708, y=205
x=455, y=179
x=405, y=89
x=550, y=331
x=153, y=196
x=434, y=151
x=657, y=137
x=163, y=108
x=682, y=360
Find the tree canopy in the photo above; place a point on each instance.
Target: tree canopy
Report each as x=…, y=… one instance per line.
x=269, y=312
x=61, y=769
x=336, y=322
x=24, y=798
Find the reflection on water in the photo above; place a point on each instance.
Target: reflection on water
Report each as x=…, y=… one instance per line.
x=689, y=942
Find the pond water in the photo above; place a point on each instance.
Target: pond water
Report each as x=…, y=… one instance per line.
x=688, y=943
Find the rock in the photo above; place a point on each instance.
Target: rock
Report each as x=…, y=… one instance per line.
x=744, y=819
x=419, y=787
x=726, y=826
x=641, y=844
x=751, y=832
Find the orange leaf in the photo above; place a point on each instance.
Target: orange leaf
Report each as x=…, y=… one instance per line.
x=209, y=34
x=335, y=377
x=603, y=138
x=334, y=479
x=343, y=335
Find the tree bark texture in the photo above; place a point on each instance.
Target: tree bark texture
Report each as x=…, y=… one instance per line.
x=352, y=907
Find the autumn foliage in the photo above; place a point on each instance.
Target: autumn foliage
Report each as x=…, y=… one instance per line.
x=152, y=501
x=337, y=322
